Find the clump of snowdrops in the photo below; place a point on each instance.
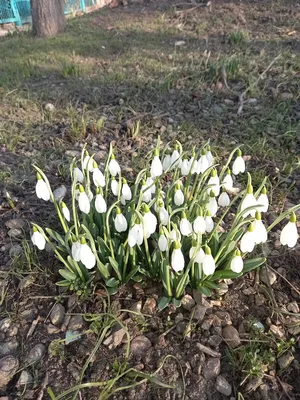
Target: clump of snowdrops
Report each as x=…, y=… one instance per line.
x=170, y=224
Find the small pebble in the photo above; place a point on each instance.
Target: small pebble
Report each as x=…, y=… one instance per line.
x=187, y=302
x=293, y=307
x=212, y=368
x=285, y=360
x=36, y=354
x=140, y=345
x=223, y=386
x=57, y=314
x=231, y=336
x=15, y=233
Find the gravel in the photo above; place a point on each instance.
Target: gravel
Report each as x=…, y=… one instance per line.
x=212, y=368
x=140, y=345
x=8, y=367
x=231, y=336
x=36, y=354
x=57, y=315
x=223, y=386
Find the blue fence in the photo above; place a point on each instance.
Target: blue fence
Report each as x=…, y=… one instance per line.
x=19, y=11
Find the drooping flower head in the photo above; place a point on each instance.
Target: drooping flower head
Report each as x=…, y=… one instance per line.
x=41, y=188
x=113, y=166
x=248, y=240
x=38, y=239
x=177, y=258
x=83, y=201
x=263, y=200
x=239, y=164
x=237, y=264
x=156, y=165
x=208, y=264
x=289, y=234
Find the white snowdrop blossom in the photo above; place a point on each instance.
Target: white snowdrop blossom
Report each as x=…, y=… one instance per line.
x=100, y=204
x=150, y=184
x=135, y=235
x=87, y=257
x=162, y=243
x=38, y=239
x=75, y=251
x=209, y=223
x=65, y=211
x=209, y=157
x=237, y=263
x=149, y=221
x=167, y=162
x=175, y=158
x=223, y=199
x=185, y=167
x=263, y=200
x=163, y=215
x=238, y=164
x=249, y=201
x=78, y=175
x=208, y=263
x=120, y=221
x=227, y=182
x=185, y=226
x=248, y=240
x=98, y=177
x=177, y=258
x=83, y=201
x=174, y=235
x=212, y=205
x=88, y=163
x=289, y=234
x=260, y=232
x=113, y=166
x=126, y=191
x=146, y=193
x=202, y=163
x=193, y=164
x=214, y=181
x=199, y=225
x=178, y=196
x=197, y=253
x=89, y=195
x=41, y=189
x=156, y=165
x=114, y=185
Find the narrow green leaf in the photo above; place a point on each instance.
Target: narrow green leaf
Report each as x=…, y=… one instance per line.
x=163, y=302
x=211, y=285
x=56, y=236
x=116, y=268
x=225, y=274
x=253, y=263
x=205, y=291
x=112, y=282
x=68, y=275
x=63, y=283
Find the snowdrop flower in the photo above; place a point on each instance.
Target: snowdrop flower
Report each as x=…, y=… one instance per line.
x=209, y=157
x=156, y=165
x=199, y=224
x=83, y=201
x=260, y=232
x=163, y=214
x=289, y=234
x=120, y=221
x=237, y=263
x=87, y=162
x=209, y=223
x=87, y=257
x=249, y=201
x=212, y=205
x=135, y=235
x=263, y=200
x=202, y=163
x=223, y=199
x=38, y=239
x=177, y=259
x=150, y=184
x=248, y=240
x=174, y=235
x=193, y=164
x=175, y=162
x=100, y=204
x=113, y=166
x=208, y=263
x=65, y=211
x=75, y=250
x=126, y=191
x=162, y=242
x=239, y=164
x=149, y=221
x=98, y=177
x=78, y=175
x=185, y=226
x=167, y=162
x=146, y=193
x=197, y=253
x=185, y=167
x=41, y=189
x=215, y=182
x=89, y=194
x=228, y=181
x=178, y=196
x=114, y=186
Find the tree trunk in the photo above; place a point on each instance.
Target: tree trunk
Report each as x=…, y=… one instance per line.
x=48, y=17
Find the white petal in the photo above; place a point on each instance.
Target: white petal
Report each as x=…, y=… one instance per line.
x=200, y=255
x=132, y=236
x=163, y=216
x=212, y=206
x=193, y=165
x=202, y=164
x=174, y=235
x=150, y=183
x=224, y=200
x=215, y=181
x=228, y=182
x=177, y=260
x=114, y=187
x=174, y=157
x=84, y=203
x=76, y=247
x=120, y=223
x=249, y=201
x=98, y=178
x=289, y=234
x=156, y=167
x=208, y=264
x=78, y=175
x=185, y=227
x=42, y=190
x=199, y=225
x=166, y=162
x=237, y=264
x=210, y=158
x=260, y=232
x=114, y=167
x=247, y=242
x=263, y=200
x=126, y=192
x=87, y=257
x=66, y=213
x=147, y=195
x=238, y=165
x=209, y=224
x=38, y=240
x=178, y=197
x=88, y=163
x=100, y=204
x=150, y=222
x=162, y=243
x=185, y=167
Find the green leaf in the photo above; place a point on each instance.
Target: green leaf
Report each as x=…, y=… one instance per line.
x=112, y=282
x=176, y=302
x=131, y=274
x=214, y=244
x=112, y=290
x=225, y=274
x=56, y=236
x=205, y=291
x=163, y=302
x=137, y=278
x=63, y=283
x=68, y=275
x=211, y=285
x=116, y=268
x=253, y=263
